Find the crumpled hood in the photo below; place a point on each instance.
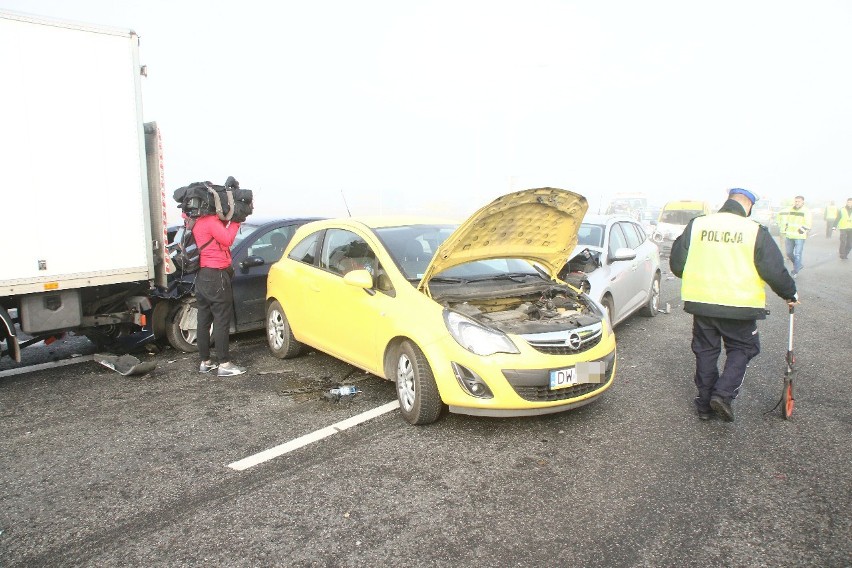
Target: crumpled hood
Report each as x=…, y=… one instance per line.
x=538, y=225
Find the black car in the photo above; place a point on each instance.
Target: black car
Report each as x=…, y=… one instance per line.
x=259, y=243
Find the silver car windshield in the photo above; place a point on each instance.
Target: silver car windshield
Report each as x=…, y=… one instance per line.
x=590, y=235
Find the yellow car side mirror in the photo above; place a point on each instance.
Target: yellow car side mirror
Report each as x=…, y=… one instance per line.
x=359, y=279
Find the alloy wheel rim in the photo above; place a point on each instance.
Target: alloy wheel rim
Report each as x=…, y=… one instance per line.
x=405, y=382
x=655, y=295
x=276, y=329
x=190, y=336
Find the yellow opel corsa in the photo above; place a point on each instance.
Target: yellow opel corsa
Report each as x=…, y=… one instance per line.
x=470, y=316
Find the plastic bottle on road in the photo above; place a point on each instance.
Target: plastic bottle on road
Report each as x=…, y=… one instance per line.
x=342, y=391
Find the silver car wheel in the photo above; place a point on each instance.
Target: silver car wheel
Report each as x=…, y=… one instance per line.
x=655, y=295
x=275, y=329
x=405, y=383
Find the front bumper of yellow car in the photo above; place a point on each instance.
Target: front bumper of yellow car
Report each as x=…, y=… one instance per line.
x=519, y=384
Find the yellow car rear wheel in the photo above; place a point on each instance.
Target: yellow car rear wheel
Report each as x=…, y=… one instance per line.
x=419, y=399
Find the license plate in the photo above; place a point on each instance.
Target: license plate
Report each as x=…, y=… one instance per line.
x=584, y=372
x=562, y=378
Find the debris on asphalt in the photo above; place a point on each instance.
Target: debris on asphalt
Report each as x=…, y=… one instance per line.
x=125, y=364
x=666, y=310
x=342, y=393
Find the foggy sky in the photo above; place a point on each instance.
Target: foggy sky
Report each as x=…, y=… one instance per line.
x=438, y=107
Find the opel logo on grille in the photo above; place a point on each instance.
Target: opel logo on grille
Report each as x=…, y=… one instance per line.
x=573, y=341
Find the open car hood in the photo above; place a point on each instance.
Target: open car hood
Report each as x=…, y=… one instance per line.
x=538, y=225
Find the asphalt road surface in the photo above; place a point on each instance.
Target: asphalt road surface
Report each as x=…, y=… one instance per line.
x=99, y=469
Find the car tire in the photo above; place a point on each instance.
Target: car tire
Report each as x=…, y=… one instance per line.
x=606, y=302
x=650, y=309
x=185, y=340
x=279, y=335
x=419, y=399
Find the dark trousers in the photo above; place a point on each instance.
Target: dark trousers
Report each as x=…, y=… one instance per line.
x=845, y=242
x=215, y=302
x=741, y=346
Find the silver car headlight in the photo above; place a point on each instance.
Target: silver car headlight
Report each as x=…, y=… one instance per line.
x=477, y=338
x=593, y=306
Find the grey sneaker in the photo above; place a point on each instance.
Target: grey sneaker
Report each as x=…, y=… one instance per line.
x=230, y=370
x=207, y=366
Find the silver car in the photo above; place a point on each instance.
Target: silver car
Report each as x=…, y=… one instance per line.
x=617, y=264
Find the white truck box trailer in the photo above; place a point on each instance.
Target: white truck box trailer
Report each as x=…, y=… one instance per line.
x=81, y=195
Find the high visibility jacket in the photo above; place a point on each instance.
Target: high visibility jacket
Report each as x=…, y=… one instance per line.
x=793, y=219
x=830, y=213
x=845, y=221
x=720, y=265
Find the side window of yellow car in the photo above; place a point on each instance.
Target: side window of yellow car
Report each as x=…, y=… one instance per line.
x=344, y=251
x=306, y=250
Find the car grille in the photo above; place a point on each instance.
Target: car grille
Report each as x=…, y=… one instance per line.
x=558, y=343
x=544, y=394
x=534, y=386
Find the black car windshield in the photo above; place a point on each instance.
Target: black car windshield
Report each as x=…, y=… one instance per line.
x=245, y=230
x=412, y=248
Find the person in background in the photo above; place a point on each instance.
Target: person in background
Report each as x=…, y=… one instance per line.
x=830, y=217
x=214, y=297
x=797, y=223
x=844, y=225
x=725, y=261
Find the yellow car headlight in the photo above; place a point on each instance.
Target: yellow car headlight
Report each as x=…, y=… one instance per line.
x=475, y=337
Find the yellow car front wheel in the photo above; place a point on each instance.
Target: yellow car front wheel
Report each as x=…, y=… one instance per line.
x=419, y=400
x=279, y=335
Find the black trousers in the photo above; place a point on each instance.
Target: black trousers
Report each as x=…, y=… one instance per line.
x=845, y=242
x=829, y=224
x=741, y=346
x=215, y=302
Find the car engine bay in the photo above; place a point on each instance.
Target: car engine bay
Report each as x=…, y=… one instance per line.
x=524, y=309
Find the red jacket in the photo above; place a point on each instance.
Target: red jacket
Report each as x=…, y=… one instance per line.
x=218, y=253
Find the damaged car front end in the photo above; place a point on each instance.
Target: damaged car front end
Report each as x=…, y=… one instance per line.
x=468, y=317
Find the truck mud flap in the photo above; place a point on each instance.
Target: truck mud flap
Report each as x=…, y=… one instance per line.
x=7, y=334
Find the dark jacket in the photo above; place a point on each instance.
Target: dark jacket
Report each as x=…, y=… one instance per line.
x=768, y=261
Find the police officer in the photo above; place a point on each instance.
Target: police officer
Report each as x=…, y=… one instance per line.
x=725, y=260
x=844, y=225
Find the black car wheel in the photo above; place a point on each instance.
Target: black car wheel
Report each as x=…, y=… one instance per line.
x=650, y=309
x=279, y=334
x=184, y=338
x=419, y=399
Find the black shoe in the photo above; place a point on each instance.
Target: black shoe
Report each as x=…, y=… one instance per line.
x=722, y=408
x=705, y=415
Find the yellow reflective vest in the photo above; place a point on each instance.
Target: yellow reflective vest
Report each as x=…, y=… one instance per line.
x=793, y=219
x=830, y=213
x=845, y=221
x=720, y=266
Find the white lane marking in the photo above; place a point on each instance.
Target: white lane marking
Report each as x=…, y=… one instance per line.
x=40, y=366
x=315, y=436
